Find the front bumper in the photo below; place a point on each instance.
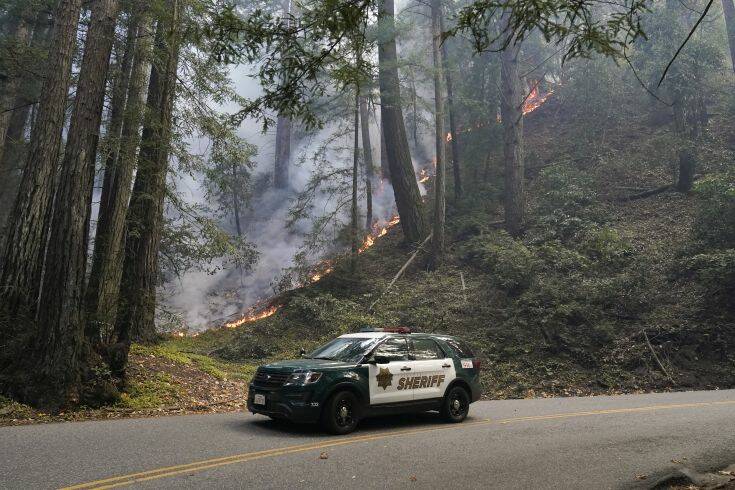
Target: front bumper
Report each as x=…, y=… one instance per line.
x=296, y=405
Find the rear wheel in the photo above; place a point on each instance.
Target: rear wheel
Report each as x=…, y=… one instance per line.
x=341, y=413
x=456, y=405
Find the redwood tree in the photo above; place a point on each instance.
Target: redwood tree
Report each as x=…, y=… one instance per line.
x=60, y=327
x=26, y=233
x=402, y=174
x=144, y=223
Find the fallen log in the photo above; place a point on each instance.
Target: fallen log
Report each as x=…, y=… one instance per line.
x=400, y=272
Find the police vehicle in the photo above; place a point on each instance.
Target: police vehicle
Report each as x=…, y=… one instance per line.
x=372, y=372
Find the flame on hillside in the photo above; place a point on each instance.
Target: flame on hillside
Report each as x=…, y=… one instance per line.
x=534, y=100
x=253, y=315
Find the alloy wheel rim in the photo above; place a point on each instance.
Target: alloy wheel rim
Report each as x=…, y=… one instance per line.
x=344, y=413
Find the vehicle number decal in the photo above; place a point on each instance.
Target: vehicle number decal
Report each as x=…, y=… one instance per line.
x=467, y=364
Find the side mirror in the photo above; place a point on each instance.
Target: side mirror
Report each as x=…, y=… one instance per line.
x=302, y=352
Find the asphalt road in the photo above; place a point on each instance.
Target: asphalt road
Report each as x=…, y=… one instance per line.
x=593, y=442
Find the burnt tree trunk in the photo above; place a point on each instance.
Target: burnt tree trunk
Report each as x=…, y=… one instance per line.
x=512, y=120
x=26, y=233
x=729, y=9
x=60, y=333
x=367, y=152
x=402, y=175
x=437, y=239
x=135, y=320
x=104, y=279
x=454, y=130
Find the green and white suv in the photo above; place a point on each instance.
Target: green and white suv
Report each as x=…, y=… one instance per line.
x=373, y=372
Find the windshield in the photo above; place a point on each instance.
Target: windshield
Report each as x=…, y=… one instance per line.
x=346, y=349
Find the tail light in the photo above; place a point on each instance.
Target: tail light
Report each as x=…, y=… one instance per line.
x=476, y=363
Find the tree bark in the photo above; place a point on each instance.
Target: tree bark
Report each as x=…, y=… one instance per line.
x=281, y=178
x=512, y=120
x=104, y=280
x=687, y=164
x=13, y=154
x=236, y=199
x=20, y=33
x=354, y=227
x=454, y=130
x=437, y=241
x=384, y=167
x=26, y=234
x=367, y=153
x=402, y=175
x=729, y=9
x=60, y=332
x=135, y=321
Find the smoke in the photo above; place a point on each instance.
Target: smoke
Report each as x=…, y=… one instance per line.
x=203, y=299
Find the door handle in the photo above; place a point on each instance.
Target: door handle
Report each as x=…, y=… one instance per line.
x=446, y=365
x=405, y=368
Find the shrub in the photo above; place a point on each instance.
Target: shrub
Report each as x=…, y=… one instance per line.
x=714, y=225
x=716, y=273
x=562, y=188
x=510, y=263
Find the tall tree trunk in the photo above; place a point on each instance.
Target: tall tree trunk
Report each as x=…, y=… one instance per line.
x=354, y=227
x=367, y=152
x=13, y=154
x=60, y=331
x=729, y=8
x=512, y=119
x=281, y=178
x=384, y=167
x=402, y=175
x=26, y=234
x=20, y=34
x=104, y=280
x=437, y=240
x=144, y=221
x=236, y=199
x=456, y=158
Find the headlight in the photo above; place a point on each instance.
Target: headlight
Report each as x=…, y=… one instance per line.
x=303, y=378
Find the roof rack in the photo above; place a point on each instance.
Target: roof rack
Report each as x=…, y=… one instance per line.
x=386, y=329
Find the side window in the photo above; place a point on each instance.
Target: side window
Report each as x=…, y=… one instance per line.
x=460, y=347
x=425, y=349
x=394, y=349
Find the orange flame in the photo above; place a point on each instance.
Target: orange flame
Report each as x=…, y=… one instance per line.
x=449, y=137
x=253, y=316
x=424, y=175
x=534, y=100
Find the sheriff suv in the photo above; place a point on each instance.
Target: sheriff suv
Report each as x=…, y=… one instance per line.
x=373, y=372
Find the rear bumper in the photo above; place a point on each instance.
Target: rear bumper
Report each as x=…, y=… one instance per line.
x=296, y=406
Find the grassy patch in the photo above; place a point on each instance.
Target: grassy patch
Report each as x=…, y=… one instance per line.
x=154, y=392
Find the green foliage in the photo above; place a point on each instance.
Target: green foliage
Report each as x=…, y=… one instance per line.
x=564, y=189
x=155, y=392
x=511, y=264
x=714, y=226
x=715, y=271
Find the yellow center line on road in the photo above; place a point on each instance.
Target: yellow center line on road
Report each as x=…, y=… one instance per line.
x=169, y=471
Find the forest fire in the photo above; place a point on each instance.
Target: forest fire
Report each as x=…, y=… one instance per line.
x=534, y=100
x=253, y=316
x=424, y=175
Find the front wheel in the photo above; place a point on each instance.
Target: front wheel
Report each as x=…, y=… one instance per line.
x=341, y=413
x=456, y=405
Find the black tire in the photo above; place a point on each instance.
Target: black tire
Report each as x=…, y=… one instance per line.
x=341, y=413
x=456, y=405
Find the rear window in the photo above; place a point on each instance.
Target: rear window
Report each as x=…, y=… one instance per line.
x=461, y=347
